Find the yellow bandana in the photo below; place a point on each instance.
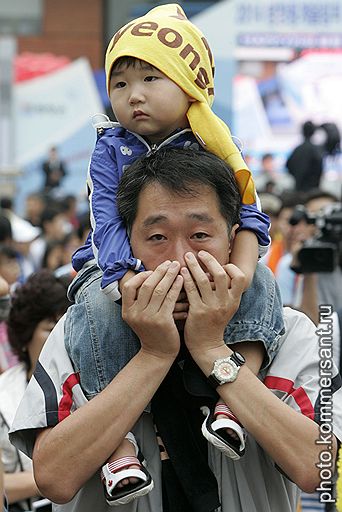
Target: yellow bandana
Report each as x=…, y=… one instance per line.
x=167, y=40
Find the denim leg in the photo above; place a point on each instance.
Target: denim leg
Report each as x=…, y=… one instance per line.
x=260, y=315
x=98, y=341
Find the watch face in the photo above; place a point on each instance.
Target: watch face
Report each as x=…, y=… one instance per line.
x=225, y=371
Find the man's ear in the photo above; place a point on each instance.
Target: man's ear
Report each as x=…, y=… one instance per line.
x=232, y=236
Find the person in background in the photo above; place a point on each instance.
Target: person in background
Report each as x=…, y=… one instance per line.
x=305, y=163
x=54, y=170
x=287, y=279
x=36, y=307
x=4, y=304
x=54, y=226
x=5, y=230
x=9, y=265
x=34, y=206
x=267, y=177
x=7, y=358
x=10, y=272
x=271, y=205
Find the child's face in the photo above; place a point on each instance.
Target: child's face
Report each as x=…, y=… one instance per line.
x=146, y=102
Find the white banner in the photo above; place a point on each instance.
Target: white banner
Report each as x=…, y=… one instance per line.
x=51, y=108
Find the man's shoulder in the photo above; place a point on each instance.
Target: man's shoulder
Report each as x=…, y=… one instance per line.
x=295, y=319
x=297, y=346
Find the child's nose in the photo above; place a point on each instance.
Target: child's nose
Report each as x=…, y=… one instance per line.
x=136, y=96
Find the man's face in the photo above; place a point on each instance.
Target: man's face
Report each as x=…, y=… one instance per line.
x=168, y=225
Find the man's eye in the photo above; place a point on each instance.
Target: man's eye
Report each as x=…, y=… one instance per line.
x=200, y=236
x=150, y=78
x=157, y=237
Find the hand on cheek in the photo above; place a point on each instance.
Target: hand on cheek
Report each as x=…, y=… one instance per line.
x=210, y=309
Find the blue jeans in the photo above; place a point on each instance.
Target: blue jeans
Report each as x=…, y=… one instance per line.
x=100, y=343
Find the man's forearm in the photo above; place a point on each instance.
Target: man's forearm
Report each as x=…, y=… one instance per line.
x=87, y=438
x=287, y=436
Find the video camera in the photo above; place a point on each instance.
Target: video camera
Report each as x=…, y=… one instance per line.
x=323, y=252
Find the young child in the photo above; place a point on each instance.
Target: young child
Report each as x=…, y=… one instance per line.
x=159, y=71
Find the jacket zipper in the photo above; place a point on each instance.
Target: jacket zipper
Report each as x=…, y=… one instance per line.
x=154, y=147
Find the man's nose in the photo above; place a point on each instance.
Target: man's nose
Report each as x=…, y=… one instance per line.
x=179, y=251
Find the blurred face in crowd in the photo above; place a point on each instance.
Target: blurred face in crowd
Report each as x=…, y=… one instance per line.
x=9, y=269
x=284, y=226
x=55, y=229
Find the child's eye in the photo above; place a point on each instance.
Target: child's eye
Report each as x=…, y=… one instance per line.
x=119, y=85
x=151, y=78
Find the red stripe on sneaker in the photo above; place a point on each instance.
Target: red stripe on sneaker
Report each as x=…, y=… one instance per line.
x=65, y=404
x=299, y=394
x=225, y=411
x=124, y=462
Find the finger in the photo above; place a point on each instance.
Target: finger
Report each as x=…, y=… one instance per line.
x=237, y=280
x=180, y=316
x=216, y=270
x=162, y=288
x=170, y=299
x=148, y=287
x=130, y=288
x=181, y=306
x=228, y=276
x=199, y=276
x=190, y=287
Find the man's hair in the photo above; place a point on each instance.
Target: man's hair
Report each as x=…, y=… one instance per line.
x=181, y=171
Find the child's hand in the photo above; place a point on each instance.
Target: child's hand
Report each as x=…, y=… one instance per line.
x=129, y=274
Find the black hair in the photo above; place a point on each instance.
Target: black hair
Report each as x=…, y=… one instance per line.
x=5, y=228
x=180, y=171
x=42, y=296
x=130, y=62
x=318, y=193
x=50, y=212
x=8, y=252
x=6, y=203
x=308, y=129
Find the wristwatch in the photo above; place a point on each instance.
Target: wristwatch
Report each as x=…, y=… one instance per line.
x=226, y=369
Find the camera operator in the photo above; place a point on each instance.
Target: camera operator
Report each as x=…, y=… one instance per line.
x=319, y=250
x=319, y=287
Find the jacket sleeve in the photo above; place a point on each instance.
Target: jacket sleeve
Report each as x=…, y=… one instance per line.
x=253, y=219
x=110, y=242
